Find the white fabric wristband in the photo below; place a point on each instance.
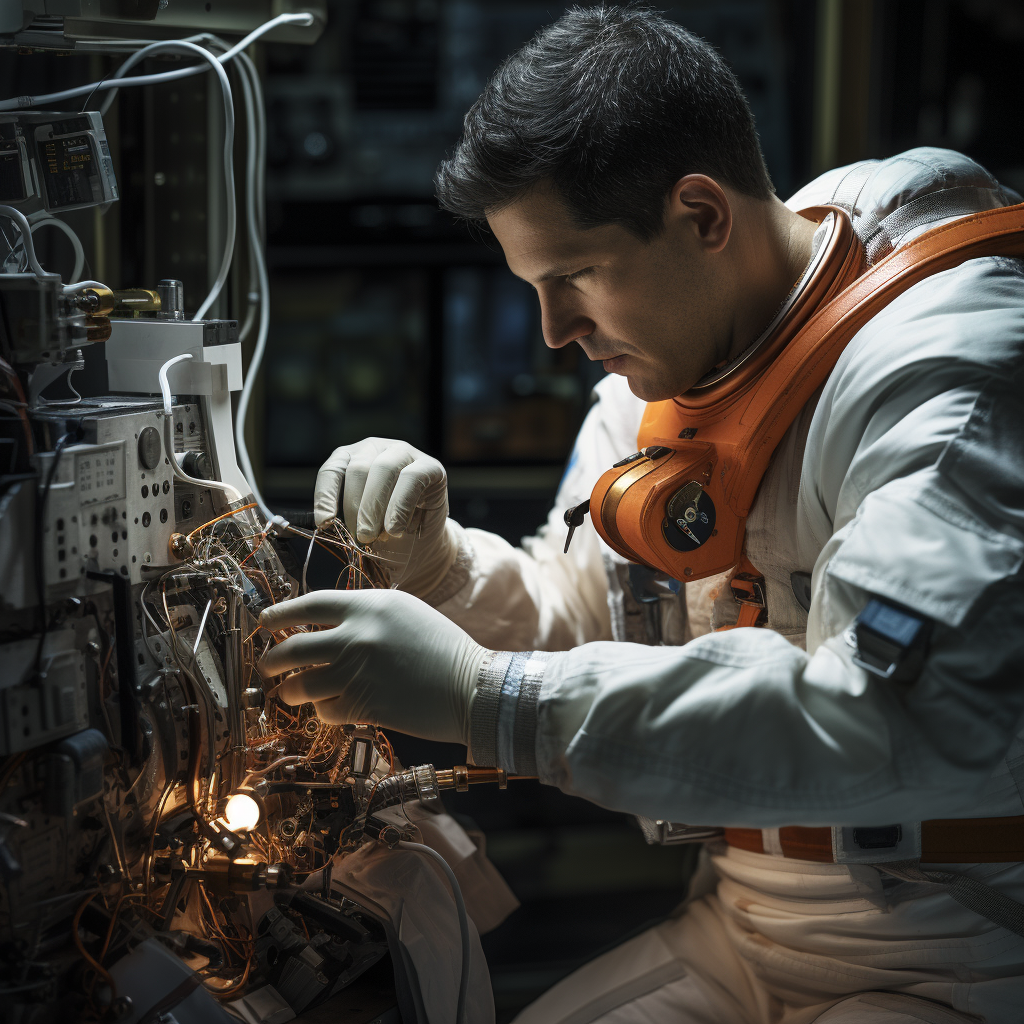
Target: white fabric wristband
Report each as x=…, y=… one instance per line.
x=503, y=721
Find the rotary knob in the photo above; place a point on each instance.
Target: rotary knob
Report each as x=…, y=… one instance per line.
x=150, y=448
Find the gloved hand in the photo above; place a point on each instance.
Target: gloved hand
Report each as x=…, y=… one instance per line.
x=391, y=491
x=390, y=660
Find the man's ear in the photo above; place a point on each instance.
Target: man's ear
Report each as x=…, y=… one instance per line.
x=700, y=204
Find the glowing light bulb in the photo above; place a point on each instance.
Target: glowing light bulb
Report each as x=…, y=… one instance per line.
x=241, y=813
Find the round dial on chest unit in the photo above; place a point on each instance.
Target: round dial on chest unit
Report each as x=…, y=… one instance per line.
x=689, y=517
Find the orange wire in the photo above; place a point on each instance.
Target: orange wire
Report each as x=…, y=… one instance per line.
x=391, y=751
x=226, y=515
x=262, y=536
x=266, y=582
x=231, y=943
x=97, y=967
x=113, y=921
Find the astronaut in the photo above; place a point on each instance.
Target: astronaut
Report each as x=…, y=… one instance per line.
x=866, y=858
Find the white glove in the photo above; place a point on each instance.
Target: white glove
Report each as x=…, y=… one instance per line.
x=390, y=660
x=391, y=492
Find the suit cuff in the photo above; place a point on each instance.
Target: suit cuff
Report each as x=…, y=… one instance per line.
x=503, y=720
x=459, y=570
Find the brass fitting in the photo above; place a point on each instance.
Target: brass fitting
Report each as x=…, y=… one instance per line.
x=242, y=875
x=461, y=777
x=181, y=547
x=130, y=302
x=97, y=302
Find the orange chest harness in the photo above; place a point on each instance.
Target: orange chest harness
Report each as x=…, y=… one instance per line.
x=680, y=504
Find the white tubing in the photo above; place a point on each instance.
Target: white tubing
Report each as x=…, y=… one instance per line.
x=76, y=242
x=255, y=154
x=255, y=160
x=26, y=237
x=254, y=184
x=179, y=473
x=213, y=63
x=229, y=193
x=259, y=286
x=165, y=384
x=23, y=102
x=79, y=286
x=263, y=289
x=229, y=145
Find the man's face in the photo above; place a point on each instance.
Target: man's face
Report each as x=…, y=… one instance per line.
x=647, y=310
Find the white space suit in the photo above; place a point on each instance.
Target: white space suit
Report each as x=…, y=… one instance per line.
x=903, y=479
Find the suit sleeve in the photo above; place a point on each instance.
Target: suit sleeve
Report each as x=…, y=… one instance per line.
x=917, y=459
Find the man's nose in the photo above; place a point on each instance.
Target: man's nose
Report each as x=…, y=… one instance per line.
x=562, y=321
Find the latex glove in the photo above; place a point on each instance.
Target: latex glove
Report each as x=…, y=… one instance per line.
x=395, y=497
x=389, y=660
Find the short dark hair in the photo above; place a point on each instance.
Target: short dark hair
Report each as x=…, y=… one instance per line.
x=612, y=105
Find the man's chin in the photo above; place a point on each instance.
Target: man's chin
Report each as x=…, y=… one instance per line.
x=648, y=390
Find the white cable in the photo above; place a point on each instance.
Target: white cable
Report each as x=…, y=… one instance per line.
x=255, y=185
x=255, y=151
x=460, y=906
x=46, y=220
x=229, y=192
x=229, y=145
x=179, y=473
x=259, y=289
x=263, y=290
x=216, y=65
x=255, y=159
x=252, y=93
x=165, y=384
x=78, y=286
x=261, y=162
x=23, y=102
x=72, y=370
x=26, y=237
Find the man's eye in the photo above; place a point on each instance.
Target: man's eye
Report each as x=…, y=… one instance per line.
x=578, y=275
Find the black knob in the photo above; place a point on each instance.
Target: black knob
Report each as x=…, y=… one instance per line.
x=197, y=464
x=150, y=447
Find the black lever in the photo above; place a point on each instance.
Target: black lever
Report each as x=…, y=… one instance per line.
x=574, y=517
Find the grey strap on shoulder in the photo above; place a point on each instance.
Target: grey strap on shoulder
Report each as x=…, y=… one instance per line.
x=977, y=897
x=847, y=192
x=880, y=237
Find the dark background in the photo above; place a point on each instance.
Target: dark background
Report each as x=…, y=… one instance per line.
x=389, y=319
